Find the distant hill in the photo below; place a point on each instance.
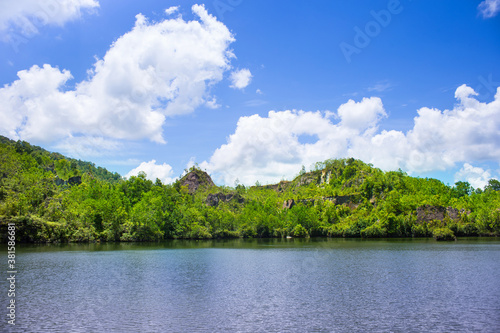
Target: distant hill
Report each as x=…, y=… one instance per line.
x=53, y=198
x=60, y=165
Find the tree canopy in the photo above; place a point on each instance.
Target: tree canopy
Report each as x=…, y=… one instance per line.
x=52, y=198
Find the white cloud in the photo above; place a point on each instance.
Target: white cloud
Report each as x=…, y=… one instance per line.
x=380, y=86
x=81, y=147
x=26, y=16
x=155, y=71
x=241, y=78
x=476, y=176
x=254, y=103
x=362, y=115
x=191, y=162
x=171, y=10
x=124, y=162
x=258, y=91
x=163, y=171
x=268, y=148
x=489, y=8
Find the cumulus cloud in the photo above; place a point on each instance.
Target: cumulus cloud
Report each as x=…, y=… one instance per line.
x=240, y=78
x=476, y=176
x=359, y=116
x=171, y=10
x=26, y=16
x=268, y=148
x=163, y=171
x=155, y=71
x=489, y=8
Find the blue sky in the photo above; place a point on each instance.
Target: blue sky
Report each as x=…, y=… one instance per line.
x=253, y=90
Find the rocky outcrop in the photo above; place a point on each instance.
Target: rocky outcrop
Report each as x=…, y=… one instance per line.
x=325, y=176
x=214, y=199
x=280, y=187
x=343, y=199
x=196, y=179
x=306, y=201
x=429, y=213
x=454, y=213
x=287, y=204
x=77, y=180
x=307, y=179
x=351, y=201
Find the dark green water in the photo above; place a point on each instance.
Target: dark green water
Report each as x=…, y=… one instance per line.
x=320, y=285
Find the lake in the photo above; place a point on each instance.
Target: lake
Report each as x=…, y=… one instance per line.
x=276, y=285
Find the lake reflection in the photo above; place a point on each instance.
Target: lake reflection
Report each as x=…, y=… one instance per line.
x=315, y=285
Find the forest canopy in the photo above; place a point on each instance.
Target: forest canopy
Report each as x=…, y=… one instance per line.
x=52, y=198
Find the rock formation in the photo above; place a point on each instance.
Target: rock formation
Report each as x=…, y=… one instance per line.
x=77, y=180
x=351, y=201
x=287, y=204
x=214, y=199
x=196, y=179
x=428, y=213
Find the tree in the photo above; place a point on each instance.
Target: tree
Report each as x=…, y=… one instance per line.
x=493, y=185
x=462, y=189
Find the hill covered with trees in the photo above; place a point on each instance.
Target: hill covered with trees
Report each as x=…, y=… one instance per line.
x=52, y=198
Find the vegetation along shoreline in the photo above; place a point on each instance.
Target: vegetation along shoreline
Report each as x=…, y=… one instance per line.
x=52, y=198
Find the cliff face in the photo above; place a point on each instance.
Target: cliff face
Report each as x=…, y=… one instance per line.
x=429, y=213
x=196, y=179
x=213, y=200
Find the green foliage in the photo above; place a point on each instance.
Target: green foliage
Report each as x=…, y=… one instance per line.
x=462, y=189
x=338, y=198
x=493, y=185
x=375, y=230
x=443, y=234
x=420, y=230
x=300, y=231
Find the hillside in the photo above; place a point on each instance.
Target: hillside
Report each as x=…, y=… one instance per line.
x=60, y=166
x=52, y=198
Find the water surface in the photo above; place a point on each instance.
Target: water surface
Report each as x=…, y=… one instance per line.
x=316, y=285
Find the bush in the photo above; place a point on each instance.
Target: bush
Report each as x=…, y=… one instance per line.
x=247, y=231
x=199, y=232
x=34, y=229
x=280, y=232
x=469, y=229
x=334, y=231
x=419, y=230
x=350, y=230
x=226, y=234
x=373, y=231
x=299, y=231
x=84, y=234
x=443, y=234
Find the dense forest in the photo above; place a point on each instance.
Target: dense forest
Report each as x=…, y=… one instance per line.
x=52, y=198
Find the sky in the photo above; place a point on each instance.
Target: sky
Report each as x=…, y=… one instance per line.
x=254, y=90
